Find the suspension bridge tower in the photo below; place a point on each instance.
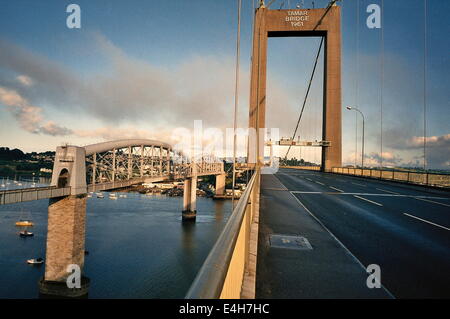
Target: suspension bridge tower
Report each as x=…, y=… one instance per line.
x=323, y=22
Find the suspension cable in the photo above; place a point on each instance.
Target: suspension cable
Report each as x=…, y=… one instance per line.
x=306, y=95
x=330, y=4
x=425, y=87
x=236, y=99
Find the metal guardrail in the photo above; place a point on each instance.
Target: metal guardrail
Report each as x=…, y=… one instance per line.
x=418, y=178
x=222, y=272
x=121, y=184
x=310, y=168
x=29, y=194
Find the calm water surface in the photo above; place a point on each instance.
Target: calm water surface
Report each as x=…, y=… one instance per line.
x=138, y=246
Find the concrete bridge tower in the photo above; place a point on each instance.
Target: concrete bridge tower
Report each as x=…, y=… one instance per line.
x=66, y=224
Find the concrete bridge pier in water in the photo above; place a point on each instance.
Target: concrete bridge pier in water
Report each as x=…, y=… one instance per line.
x=190, y=199
x=190, y=193
x=66, y=225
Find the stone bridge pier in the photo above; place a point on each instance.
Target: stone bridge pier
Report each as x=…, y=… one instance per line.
x=190, y=199
x=220, y=184
x=66, y=226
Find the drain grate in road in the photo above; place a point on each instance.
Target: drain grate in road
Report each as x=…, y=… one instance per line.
x=289, y=242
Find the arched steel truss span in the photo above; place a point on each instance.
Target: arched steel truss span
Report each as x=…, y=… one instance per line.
x=139, y=158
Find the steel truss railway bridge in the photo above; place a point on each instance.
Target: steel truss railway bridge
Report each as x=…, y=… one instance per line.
x=98, y=167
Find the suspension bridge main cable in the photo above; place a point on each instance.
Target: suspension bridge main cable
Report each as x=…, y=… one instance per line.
x=306, y=95
x=236, y=99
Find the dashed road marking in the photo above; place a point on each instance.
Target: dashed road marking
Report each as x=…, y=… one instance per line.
x=337, y=189
x=431, y=201
x=368, y=200
x=372, y=194
x=320, y=183
x=426, y=221
x=359, y=184
x=383, y=190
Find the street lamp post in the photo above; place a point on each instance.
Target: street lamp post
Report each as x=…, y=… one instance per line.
x=357, y=110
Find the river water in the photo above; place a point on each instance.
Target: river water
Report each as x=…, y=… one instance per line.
x=138, y=246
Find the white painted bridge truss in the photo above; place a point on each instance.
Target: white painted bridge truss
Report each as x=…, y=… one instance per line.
x=136, y=162
x=115, y=164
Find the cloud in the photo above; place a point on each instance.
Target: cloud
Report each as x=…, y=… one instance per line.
x=437, y=149
x=129, y=89
x=24, y=80
x=129, y=94
x=29, y=117
x=401, y=141
x=430, y=141
x=114, y=133
x=374, y=159
x=408, y=152
x=50, y=128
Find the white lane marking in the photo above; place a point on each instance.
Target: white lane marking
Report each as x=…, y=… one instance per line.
x=337, y=189
x=301, y=192
x=359, y=184
x=371, y=194
x=383, y=190
x=320, y=183
x=427, y=200
x=367, y=200
x=339, y=242
x=309, y=179
x=426, y=221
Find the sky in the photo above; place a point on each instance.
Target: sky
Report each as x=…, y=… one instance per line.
x=143, y=68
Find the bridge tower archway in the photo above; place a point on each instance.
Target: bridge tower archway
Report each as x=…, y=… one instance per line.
x=64, y=178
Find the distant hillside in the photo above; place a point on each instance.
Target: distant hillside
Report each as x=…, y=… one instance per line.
x=11, y=155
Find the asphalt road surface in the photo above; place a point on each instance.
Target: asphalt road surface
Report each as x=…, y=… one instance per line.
x=404, y=229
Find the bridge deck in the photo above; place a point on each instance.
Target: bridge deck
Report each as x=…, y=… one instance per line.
x=402, y=228
x=29, y=194
x=326, y=271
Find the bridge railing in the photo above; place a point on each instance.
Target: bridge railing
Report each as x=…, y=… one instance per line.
x=29, y=194
x=309, y=168
x=222, y=273
x=420, y=178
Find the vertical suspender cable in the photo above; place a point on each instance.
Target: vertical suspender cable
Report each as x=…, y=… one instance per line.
x=357, y=81
x=425, y=88
x=258, y=96
x=236, y=98
x=251, y=63
x=382, y=84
